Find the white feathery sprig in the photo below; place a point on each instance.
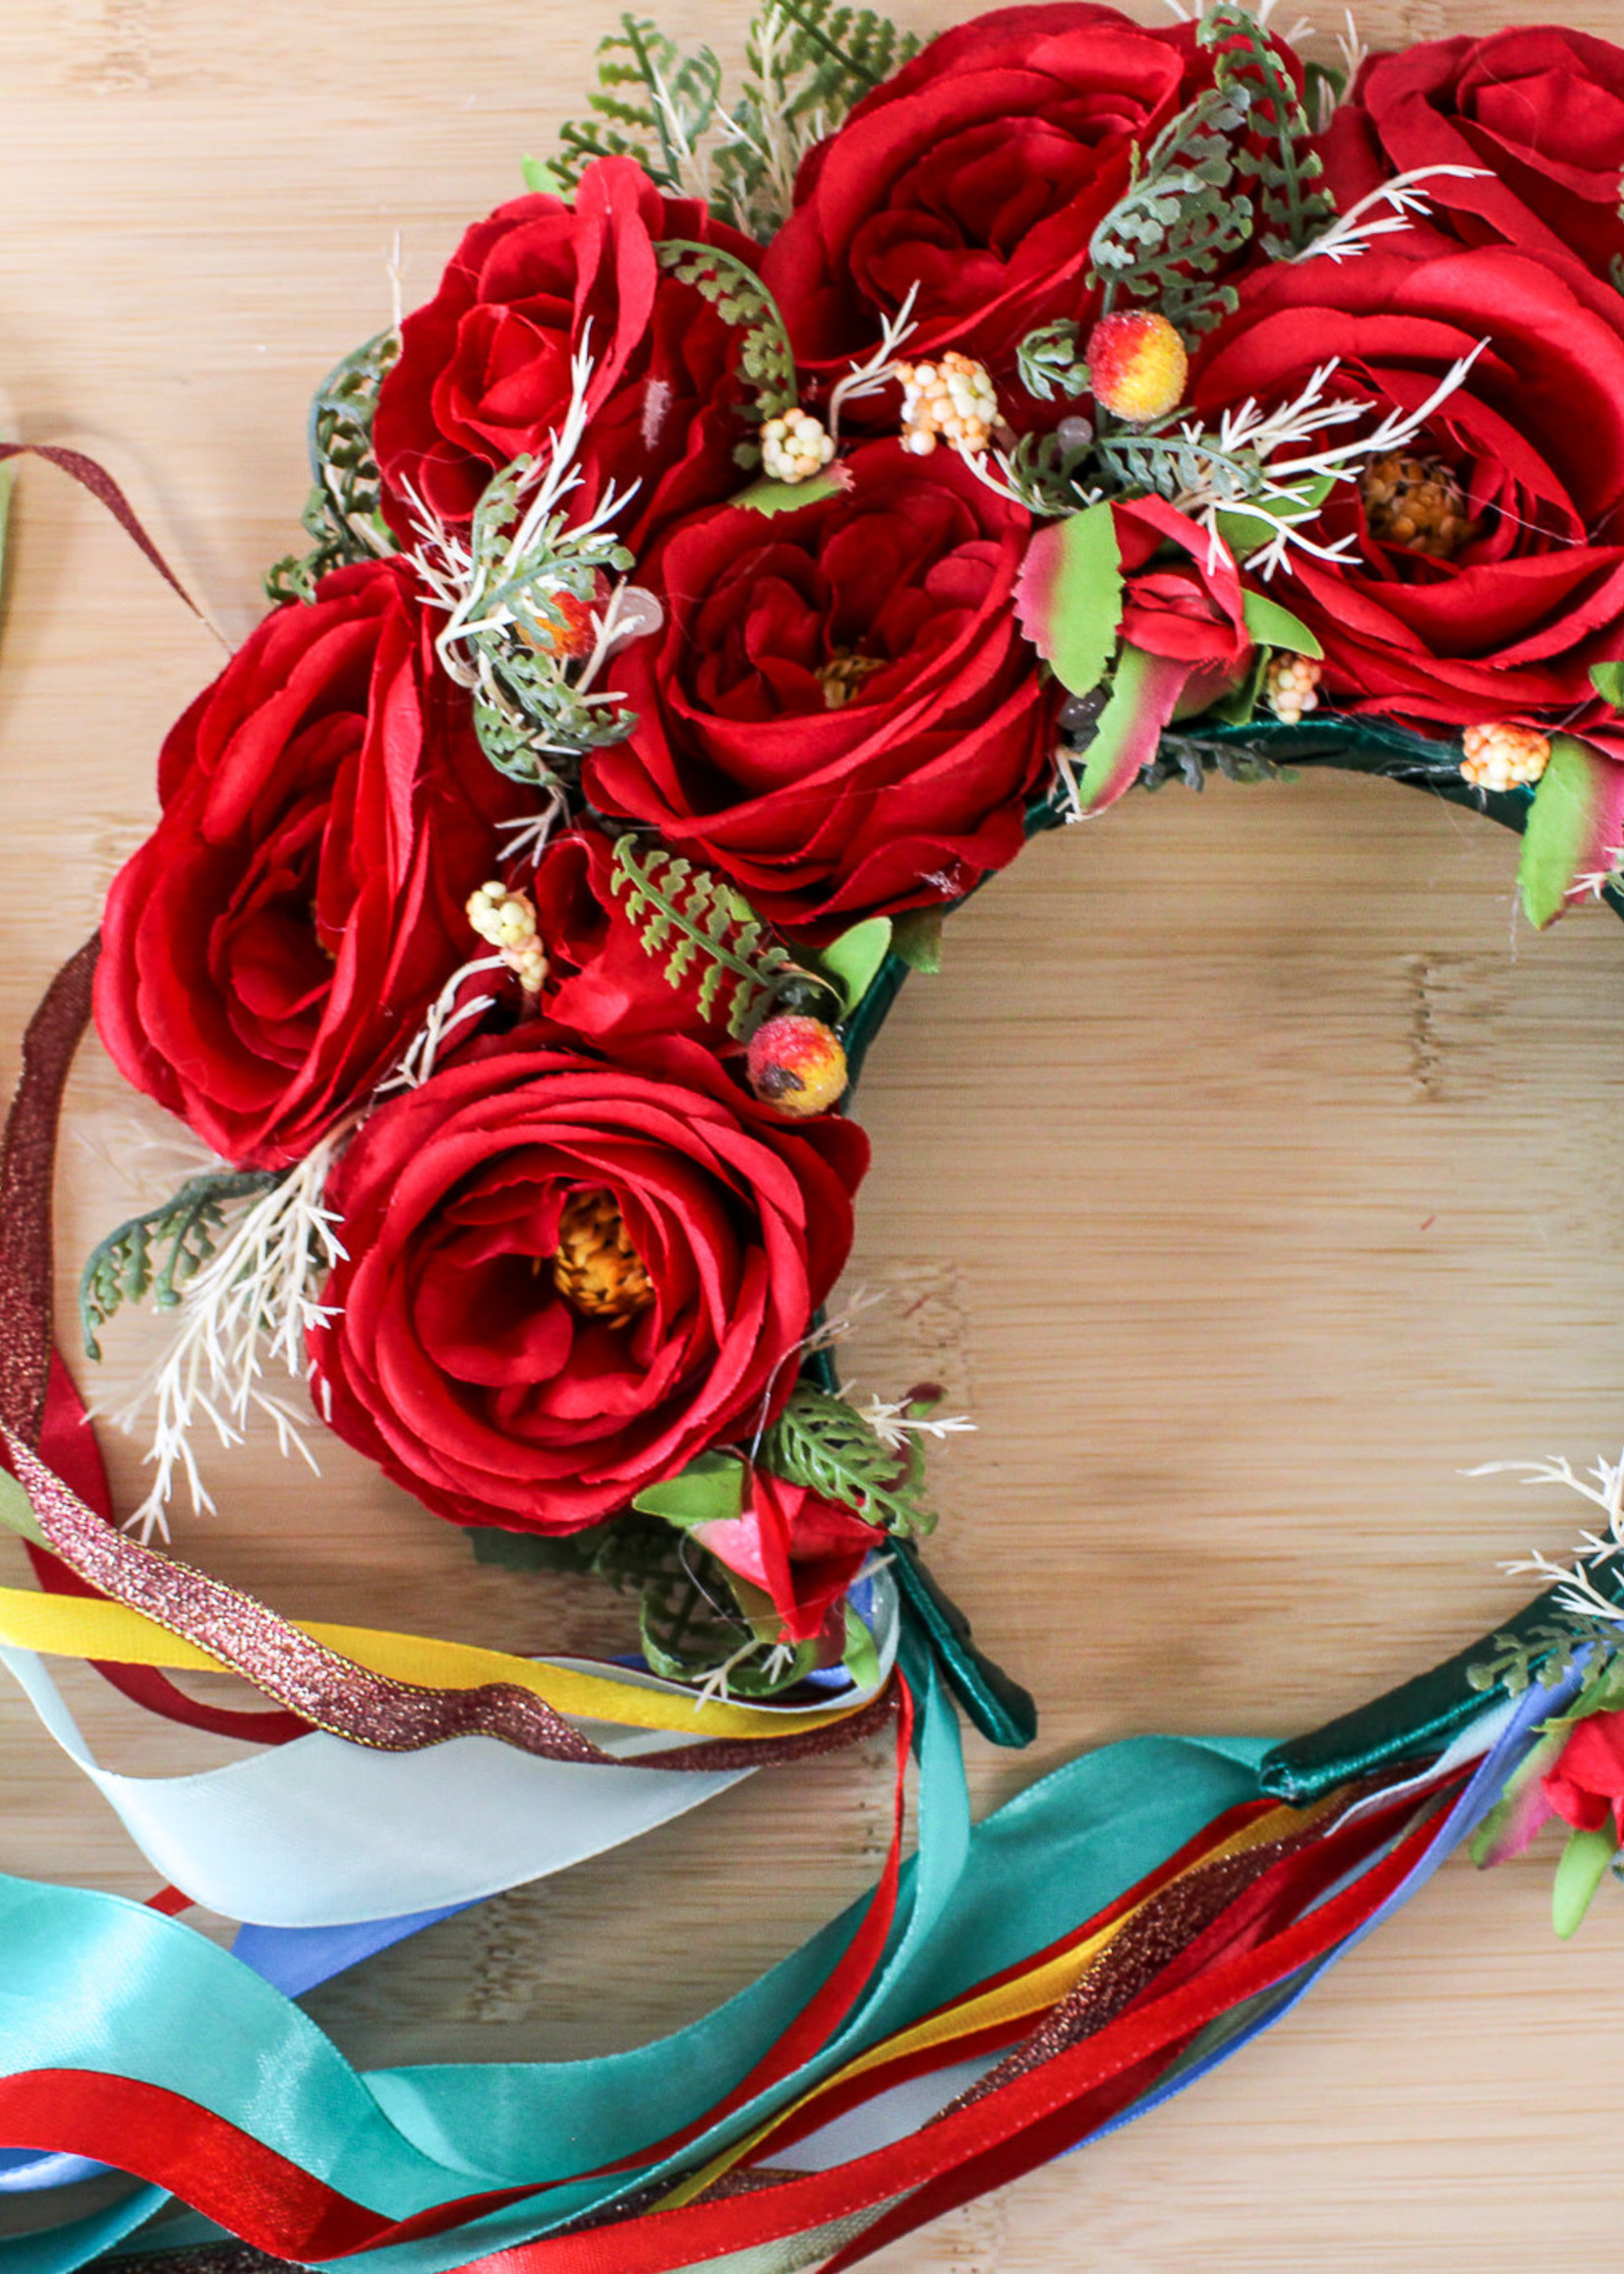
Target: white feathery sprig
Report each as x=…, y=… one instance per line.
x=1604, y=1487
x=250, y=1307
x=868, y=377
x=1357, y=230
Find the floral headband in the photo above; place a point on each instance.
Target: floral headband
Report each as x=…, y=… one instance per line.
x=798, y=497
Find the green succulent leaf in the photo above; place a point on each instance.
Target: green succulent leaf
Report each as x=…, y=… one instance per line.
x=1608, y=682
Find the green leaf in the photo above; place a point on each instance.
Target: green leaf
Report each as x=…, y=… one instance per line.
x=1608, y=682
x=1274, y=626
x=766, y=497
x=850, y=963
x=1248, y=533
x=1144, y=689
x=1069, y=596
x=1583, y=1868
x=1575, y=827
x=916, y=936
x=709, y=1490
x=540, y=174
x=17, y=1511
x=860, y=1659
x=1238, y=707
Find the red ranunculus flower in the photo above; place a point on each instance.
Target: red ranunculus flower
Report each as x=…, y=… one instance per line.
x=1487, y=565
x=1586, y=1785
x=601, y=981
x=1182, y=596
x=802, y=1552
x=568, y=1274
x=485, y=368
x=1537, y=111
x=840, y=711
x=979, y=174
x=327, y=811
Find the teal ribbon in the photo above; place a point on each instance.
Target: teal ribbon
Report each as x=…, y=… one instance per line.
x=89, y=1981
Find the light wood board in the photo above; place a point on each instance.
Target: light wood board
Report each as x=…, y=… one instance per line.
x=1249, y=1174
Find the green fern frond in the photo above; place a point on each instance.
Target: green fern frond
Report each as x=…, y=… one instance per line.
x=157, y=1252
x=341, y=514
x=823, y=1443
x=1179, y=218
x=1049, y=364
x=767, y=361
x=687, y=918
x=1278, y=156
x=665, y=100
x=1547, y=1652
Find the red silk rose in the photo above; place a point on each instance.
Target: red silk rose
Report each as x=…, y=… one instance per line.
x=568, y=1274
x=485, y=368
x=978, y=172
x=327, y=809
x=1182, y=596
x=802, y=1552
x=601, y=981
x=1585, y=1788
x=1537, y=111
x=841, y=712
x=1526, y=589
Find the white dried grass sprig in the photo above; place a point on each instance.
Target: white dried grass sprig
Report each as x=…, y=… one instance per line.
x=1357, y=230
x=1603, y=1484
x=249, y=1308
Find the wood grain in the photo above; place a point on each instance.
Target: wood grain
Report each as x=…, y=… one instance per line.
x=1248, y=1173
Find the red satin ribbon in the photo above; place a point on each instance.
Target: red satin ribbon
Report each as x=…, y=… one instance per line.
x=278, y=2207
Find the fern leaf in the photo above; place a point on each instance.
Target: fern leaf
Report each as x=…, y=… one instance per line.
x=825, y=1444
x=669, y=899
x=1279, y=153
x=159, y=1252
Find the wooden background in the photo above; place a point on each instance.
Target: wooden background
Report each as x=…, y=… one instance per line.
x=1249, y=1172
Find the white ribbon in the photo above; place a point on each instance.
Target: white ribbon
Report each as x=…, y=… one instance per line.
x=320, y=1833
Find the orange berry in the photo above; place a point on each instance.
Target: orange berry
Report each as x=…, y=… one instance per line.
x=1137, y=364
x=796, y=1064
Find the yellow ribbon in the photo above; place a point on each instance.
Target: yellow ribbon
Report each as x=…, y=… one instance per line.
x=1028, y=1994
x=74, y=1626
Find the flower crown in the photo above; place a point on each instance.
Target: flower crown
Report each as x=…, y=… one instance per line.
x=794, y=501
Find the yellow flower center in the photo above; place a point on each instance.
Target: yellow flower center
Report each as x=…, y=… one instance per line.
x=1416, y=503
x=844, y=674
x=595, y=1266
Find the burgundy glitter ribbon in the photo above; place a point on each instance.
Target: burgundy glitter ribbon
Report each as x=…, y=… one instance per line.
x=95, y=478
x=241, y=1633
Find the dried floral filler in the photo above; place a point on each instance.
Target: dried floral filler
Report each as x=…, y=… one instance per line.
x=792, y=501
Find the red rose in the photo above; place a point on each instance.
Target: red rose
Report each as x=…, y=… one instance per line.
x=1586, y=1785
x=979, y=174
x=327, y=811
x=567, y=1275
x=1486, y=569
x=1181, y=595
x=840, y=711
x=485, y=369
x=1537, y=111
x=802, y=1552
x=601, y=981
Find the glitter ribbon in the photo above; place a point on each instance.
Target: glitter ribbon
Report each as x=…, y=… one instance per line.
x=233, y=1629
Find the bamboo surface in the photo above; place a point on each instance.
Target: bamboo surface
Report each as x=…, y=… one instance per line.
x=1248, y=1173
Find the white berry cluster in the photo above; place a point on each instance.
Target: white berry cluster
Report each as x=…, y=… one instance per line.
x=1504, y=755
x=795, y=447
x=952, y=400
x=1294, y=687
x=507, y=920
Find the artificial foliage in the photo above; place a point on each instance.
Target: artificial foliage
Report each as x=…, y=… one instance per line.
x=879, y=467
